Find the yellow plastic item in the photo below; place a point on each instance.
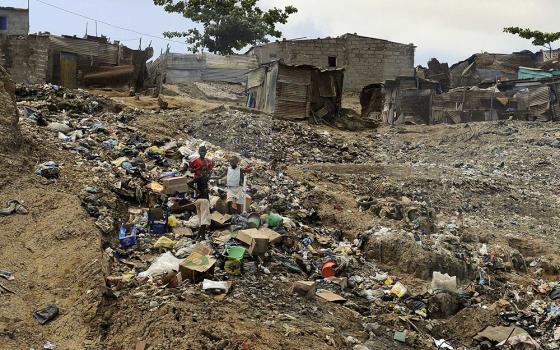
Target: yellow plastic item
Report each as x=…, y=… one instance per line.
x=164, y=242
x=126, y=277
x=155, y=149
x=399, y=289
x=389, y=281
x=156, y=187
x=172, y=221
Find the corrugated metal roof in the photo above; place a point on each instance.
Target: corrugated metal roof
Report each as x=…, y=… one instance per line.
x=105, y=53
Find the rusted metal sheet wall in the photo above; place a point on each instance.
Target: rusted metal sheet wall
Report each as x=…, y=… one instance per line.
x=270, y=83
x=103, y=53
x=292, y=92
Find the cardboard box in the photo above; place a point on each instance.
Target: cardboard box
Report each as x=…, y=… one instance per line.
x=259, y=245
x=245, y=236
x=198, y=264
x=175, y=184
x=273, y=236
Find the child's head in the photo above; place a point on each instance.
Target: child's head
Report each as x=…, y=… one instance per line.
x=202, y=151
x=222, y=194
x=234, y=161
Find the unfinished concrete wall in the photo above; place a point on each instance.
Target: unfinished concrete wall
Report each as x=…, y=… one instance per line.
x=374, y=61
x=25, y=58
x=16, y=21
x=367, y=60
x=310, y=52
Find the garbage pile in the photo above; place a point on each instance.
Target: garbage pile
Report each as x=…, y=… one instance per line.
x=275, y=140
x=153, y=241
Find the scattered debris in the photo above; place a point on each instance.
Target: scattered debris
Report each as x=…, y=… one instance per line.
x=47, y=314
x=13, y=206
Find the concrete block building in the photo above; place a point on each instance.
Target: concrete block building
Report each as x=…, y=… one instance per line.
x=365, y=60
x=14, y=21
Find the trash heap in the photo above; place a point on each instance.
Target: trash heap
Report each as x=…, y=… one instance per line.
x=275, y=140
x=142, y=204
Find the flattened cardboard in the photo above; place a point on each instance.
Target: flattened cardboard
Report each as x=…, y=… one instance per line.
x=341, y=281
x=183, y=231
x=330, y=296
x=219, y=219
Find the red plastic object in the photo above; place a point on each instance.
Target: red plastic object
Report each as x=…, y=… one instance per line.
x=328, y=269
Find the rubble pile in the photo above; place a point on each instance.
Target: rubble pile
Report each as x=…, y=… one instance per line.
x=428, y=253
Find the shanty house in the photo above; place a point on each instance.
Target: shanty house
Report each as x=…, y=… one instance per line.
x=534, y=99
x=295, y=92
x=14, y=21
x=365, y=60
x=72, y=61
x=400, y=100
x=490, y=67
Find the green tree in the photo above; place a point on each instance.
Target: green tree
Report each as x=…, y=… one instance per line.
x=228, y=24
x=539, y=38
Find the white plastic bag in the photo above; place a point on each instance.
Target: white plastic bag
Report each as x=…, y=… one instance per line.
x=193, y=222
x=164, y=263
x=444, y=281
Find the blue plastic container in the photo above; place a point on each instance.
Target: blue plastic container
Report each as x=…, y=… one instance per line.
x=157, y=220
x=127, y=235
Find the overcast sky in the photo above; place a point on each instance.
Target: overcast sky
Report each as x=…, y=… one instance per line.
x=450, y=30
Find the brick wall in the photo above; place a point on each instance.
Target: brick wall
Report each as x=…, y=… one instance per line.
x=18, y=21
x=366, y=60
x=25, y=58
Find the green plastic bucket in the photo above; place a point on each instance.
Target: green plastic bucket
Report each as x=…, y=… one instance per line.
x=235, y=253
